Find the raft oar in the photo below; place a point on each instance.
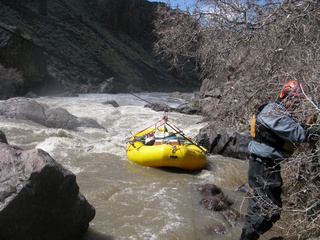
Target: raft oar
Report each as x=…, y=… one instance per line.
x=155, y=124
x=140, y=98
x=184, y=136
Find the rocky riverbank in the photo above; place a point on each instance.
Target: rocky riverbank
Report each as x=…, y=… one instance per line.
x=39, y=198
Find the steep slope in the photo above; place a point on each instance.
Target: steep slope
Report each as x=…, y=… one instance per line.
x=94, y=46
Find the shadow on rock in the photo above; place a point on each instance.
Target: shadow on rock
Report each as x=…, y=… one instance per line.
x=39, y=198
x=94, y=235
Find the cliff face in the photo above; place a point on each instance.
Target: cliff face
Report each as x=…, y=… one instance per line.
x=86, y=45
x=132, y=17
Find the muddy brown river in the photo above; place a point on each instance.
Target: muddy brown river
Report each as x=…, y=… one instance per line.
x=133, y=201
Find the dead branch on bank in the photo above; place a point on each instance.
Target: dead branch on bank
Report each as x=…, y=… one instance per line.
x=249, y=49
x=301, y=211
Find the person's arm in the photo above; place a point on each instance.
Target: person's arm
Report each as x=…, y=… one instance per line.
x=282, y=125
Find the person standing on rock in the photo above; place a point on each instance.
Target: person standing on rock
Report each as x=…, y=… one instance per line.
x=274, y=131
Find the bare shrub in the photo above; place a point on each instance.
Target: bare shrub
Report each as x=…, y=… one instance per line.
x=301, y=212
x=251, y=48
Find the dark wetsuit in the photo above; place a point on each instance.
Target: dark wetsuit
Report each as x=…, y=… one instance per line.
x=264, y=170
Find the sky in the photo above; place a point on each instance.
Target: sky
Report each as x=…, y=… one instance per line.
x=181, y=3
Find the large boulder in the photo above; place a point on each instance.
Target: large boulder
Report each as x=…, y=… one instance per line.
x=39, y=198
x=228, y=142
x=24, y=109
x=29, y=109
x=61, y=118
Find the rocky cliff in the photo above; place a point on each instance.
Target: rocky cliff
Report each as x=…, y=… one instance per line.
x=84, y=46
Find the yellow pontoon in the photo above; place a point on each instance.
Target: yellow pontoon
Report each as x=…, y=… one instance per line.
x=156, y=146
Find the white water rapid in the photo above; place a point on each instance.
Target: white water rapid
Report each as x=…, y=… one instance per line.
x=132, y=201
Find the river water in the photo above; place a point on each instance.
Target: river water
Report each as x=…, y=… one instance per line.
x=133, y=201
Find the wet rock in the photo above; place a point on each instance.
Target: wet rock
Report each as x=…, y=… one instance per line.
x=232, y=216
x=61, y=118
x=228, y=142
x=112, y=103
x=188, y=108
x=39, y=198
x=29, y=109
x=218, y=228
x=3, y=138
x=88, y=122
x=159, y=107
x=24, y=109
x=213, y=198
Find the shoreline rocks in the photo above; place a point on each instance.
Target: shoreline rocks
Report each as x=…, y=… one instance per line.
x=228, y=142
x=39, y=198
x=29, y=109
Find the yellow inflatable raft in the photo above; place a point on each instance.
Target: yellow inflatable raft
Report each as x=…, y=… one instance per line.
x=159, y=147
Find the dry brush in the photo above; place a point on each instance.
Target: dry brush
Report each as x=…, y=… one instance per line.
x=249, y=49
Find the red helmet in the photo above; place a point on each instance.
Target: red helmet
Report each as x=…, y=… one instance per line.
x=291, y=87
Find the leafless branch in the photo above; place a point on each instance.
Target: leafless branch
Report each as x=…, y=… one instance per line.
x=248, y=49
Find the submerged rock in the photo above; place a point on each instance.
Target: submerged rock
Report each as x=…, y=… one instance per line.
x=61, y=118
x=113, y=103
x=213, y=198
x=39, y=198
